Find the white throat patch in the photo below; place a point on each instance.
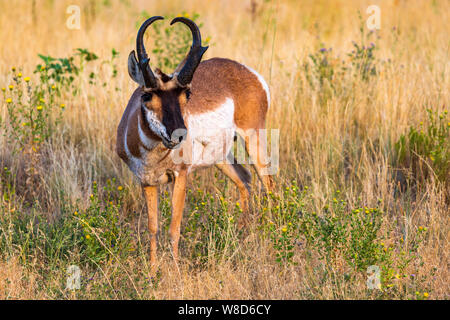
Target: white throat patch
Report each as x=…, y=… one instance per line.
x=155, y=125
x=146, y=141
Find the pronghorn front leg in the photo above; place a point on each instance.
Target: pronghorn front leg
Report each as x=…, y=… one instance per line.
x=178, y=198
x=151, y=196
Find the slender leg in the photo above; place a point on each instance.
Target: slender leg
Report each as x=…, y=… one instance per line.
x=178, y=199
x=151, y=196
x=241, y=177
x=257, y=148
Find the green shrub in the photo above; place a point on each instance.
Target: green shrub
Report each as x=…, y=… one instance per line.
x=210, y=230
x=359, y=236
x=349, y=232
x=26, y=233
x=425, y=150
x=32, y=113
x=329, y=74
x=61, y=72
x=103, y=234
x=96, y=233
x=282, y=228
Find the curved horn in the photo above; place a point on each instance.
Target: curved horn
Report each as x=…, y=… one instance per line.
x=195, y=54
x=149, y=77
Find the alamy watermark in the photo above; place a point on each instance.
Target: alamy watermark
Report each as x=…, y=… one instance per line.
x=74, y=278
x=373, y=22
x=373, y=278
x=73, y=22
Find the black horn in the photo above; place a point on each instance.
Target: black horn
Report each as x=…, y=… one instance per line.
x=195, y=54
x=149, y=77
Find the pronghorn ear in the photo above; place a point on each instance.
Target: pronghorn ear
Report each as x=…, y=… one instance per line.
x=133, y=69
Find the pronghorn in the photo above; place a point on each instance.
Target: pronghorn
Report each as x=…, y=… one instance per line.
x=196, y=109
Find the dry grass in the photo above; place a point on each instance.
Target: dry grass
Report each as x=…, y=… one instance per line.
x=344, y=142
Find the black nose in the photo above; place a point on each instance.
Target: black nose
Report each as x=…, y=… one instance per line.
x=178, y=135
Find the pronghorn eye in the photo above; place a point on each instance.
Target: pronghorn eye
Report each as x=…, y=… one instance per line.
x=188, y=94
x=146, y=97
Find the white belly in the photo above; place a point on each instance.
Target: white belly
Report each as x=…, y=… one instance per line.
x=210, y=137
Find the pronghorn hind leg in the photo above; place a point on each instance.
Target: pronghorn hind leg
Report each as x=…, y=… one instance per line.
x=178, y=200
x=256, y=147
x=151, y=197
x=242, y=178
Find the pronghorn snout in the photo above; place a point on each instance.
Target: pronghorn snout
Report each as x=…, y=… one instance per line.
x=177, y=136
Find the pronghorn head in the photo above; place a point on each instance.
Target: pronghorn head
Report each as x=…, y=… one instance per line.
x=164, y=96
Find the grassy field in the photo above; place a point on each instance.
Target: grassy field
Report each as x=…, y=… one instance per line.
x=364, y=170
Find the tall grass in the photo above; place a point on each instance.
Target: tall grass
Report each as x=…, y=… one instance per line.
x=363, y=176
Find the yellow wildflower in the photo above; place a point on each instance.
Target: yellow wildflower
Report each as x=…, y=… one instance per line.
x=75, y=213
x=425, y=294
x=39, y=108
x=284, y=230
x=63, y=105
x=120, y=188
x=3, y=89
x=19, y=74
x=27, y=79
x=11, y=87
x=88, y=236
x=9, y=100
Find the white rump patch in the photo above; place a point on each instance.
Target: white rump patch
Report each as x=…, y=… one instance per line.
x=263, y=83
